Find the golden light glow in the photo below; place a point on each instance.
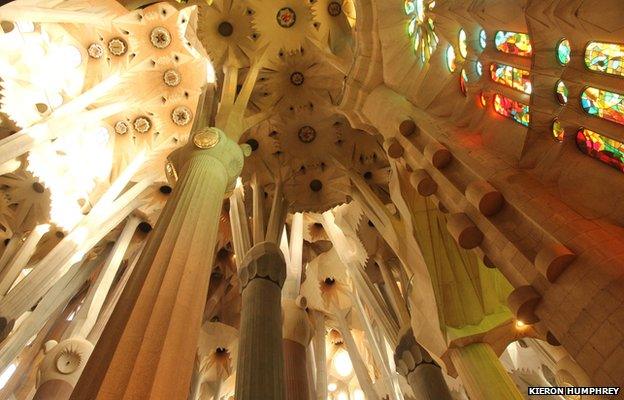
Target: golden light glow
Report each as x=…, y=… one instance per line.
x=358, y=394
x=70, y=167
x=342, y=364
x=342, y=396
x=211, y=75
x=332, y=387
x=520, y=324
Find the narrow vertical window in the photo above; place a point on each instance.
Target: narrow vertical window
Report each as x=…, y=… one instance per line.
x=563, y=52
x=451, y=58
x=483, y=39
x=461, y=43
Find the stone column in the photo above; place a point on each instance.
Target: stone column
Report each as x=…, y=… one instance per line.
x=260, y=368
x=296, y=332
x=320, y=356
x=148, y=347
x=422, y=373
x=482, y=373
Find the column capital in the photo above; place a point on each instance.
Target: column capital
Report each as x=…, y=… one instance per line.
x=64, y=361
x=265, y=261
x=410, y=355
x=211, y=142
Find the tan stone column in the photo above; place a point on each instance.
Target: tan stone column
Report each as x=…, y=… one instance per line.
x=320, y=356
x=260, y=368
x=147, y=349
x=297, y=333
x=422, y=373
x=482, y=373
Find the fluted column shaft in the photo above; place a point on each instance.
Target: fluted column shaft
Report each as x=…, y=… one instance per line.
x=482, y=373
x=320, y=357
x=297, y=332
x=147, y=350
x=260, y=368
x=422, y=373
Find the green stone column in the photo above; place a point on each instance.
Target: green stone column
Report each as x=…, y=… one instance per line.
x=147, y=349
x=260, y=367
x=482, y=373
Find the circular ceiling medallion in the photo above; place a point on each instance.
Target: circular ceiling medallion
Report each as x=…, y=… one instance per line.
x=95, y=50
x=181, y=115
x=117, y=47
x=121, y=128
x=160, y=37
x=307, y=134
x=172, y=78
x=286, y=17
x=297, y=78
x=225, y=29
x=142, y=125
x=334, y=8
x=206, y=139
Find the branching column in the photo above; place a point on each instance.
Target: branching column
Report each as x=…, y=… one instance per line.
x=147, y=350
x=422, y=373
x=260, y=370
x=482, y=373
x=297, y=332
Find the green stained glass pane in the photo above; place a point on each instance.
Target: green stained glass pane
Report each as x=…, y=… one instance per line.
x=563, y=52
x=561, y=91
x=409, y=7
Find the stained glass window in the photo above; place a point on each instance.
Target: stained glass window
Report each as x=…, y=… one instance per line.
x=605, y=57
x=512, y=109
x=563, y=52
x=450, y=58
x=603, y=104
x=463, y=47
x=561, y=91
x=511, y=76
x=595, y=145
x=558, y=131
x=463, y=80
x=513, y=43
x=421, y=28
x=479, y=68
x=483, y=39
